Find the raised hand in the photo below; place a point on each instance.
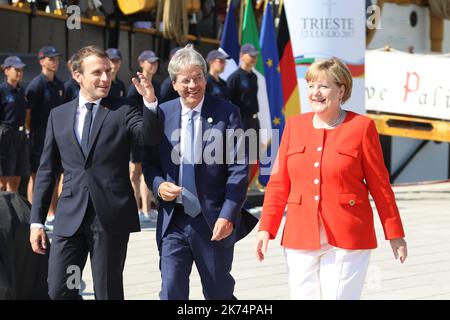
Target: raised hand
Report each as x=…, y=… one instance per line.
x=144, y=87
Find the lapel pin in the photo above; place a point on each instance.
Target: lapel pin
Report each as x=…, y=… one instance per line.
x=210, y=120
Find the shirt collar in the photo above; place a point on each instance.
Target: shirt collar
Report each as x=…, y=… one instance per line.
x=198, y=108
x=82, y=101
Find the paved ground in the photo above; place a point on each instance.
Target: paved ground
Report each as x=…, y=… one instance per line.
x=425, y=212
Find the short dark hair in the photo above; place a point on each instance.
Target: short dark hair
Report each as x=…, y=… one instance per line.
x=83, y=53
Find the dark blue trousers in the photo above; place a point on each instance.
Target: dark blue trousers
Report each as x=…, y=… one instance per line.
x=188, y=241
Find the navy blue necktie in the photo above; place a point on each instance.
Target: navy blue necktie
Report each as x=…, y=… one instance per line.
x=87, y=128
x=189, y=194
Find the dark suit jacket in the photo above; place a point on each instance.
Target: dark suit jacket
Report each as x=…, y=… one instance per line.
x=103, y=175
x=221, y=186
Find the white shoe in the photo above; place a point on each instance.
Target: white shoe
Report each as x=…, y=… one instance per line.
x=153, y=215
x=143, y=217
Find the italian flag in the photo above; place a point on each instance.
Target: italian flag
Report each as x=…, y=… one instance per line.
x=250, y=35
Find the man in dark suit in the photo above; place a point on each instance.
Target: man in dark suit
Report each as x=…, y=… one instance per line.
x=201, y=193
x=90, y=139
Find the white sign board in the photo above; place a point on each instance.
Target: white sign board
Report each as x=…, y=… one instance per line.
x=410, y=84
x=329, y=28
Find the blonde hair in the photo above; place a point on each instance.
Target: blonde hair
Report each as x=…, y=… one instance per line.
x=336, y=70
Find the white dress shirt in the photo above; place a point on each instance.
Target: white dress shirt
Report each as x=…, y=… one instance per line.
x=81, y=114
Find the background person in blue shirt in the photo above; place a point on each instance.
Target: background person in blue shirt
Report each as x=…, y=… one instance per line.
x=215, y=85
x=149, y=63
x=167, y=90
x=117, y=85
x=243, y=92
x=243, y=88
x=14, y=157
x=71, y=86
x=44, y=93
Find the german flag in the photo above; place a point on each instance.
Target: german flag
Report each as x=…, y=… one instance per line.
x=291, y=99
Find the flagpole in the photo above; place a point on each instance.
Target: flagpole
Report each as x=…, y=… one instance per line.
x=280, y=7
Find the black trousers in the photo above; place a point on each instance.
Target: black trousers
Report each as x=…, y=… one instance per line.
x=68, y=257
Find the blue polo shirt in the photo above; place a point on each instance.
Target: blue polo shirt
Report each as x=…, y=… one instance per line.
x=243, y=92
x=117, y=88
x=43, y=95
x=215, y=88
x=12, y=105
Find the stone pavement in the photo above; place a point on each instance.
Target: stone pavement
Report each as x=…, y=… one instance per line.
x=425, y=211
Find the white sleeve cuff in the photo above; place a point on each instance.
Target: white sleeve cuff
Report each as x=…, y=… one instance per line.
x=36, y=226
x=151, y=105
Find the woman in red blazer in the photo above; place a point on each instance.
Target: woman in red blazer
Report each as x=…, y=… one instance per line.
x=328, y=161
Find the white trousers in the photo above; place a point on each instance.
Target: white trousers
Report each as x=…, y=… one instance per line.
x=329, y=273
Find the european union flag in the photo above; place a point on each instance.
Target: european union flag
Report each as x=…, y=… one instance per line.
x=269, y=55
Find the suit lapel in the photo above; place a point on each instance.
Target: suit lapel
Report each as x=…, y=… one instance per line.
x=100, y=116
x=73, y=136
x=173, y=125
x=207, y=118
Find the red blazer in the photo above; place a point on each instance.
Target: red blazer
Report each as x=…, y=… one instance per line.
x=330, y=173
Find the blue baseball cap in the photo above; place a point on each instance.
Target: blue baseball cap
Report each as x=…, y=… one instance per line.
x=216, y=54
x=250, y=49
x=48, y=51
x=114, y=54
x=148, y=55
x=13, y=61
